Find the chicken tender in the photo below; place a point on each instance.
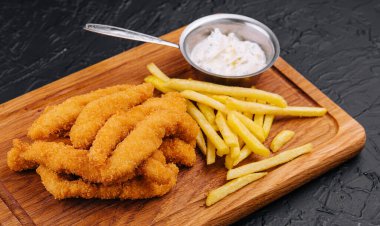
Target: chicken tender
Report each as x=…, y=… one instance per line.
x=154, y=168
x=61, y=117
x=179, y=152
x=15, y=160
x=138, y=188
x=117, y=142
x=119, y=125
x=95, y=114
x=156, y=171
x=128, y=155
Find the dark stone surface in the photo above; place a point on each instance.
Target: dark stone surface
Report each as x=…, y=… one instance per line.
x=335, y=44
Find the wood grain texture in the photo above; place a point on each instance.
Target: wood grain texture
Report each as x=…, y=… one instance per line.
x=336, y=137
x=6, y=216
x=12, y=213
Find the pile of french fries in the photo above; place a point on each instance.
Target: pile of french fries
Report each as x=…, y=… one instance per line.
x=235, y=121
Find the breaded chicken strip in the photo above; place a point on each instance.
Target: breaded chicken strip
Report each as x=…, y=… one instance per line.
x=95, y=114
x=128, y=155
x=154, y=168
x=15, y=160
x=179, y=152
x=61, y=117
x=119, y=125
x=138, y=188
x=147, y=136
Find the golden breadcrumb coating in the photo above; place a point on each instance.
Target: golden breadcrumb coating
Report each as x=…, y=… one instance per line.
x=137, y=188
x=128, y=155
x=119, y=125
x=95, y=114
x=61, y=117
x=179, y=152
x=116, y=142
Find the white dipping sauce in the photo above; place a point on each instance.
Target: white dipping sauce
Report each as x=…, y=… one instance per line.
x=228, y=55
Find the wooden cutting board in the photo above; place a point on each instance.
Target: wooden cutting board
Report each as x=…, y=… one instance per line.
x=6, y=216
x=336, y=138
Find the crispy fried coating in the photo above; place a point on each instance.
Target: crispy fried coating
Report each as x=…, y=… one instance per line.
x=137, y=188
x=119, y=125
x=179, y=152
x=147, y=137
x=61, y=117
x=101, y=145
x=15, y=160
x=128, y=155
x=159, y=155
x=95, y=114
x=155, y=167
x=155, y=171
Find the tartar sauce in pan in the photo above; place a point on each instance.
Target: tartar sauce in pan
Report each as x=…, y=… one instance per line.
x=228, y=55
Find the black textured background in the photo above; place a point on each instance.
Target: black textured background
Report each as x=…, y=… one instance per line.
x=335, y=44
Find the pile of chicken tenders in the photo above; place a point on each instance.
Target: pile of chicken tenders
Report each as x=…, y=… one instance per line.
x=115, y=142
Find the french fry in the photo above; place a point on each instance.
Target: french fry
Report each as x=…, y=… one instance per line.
x=229, y=137
x=235, y=152
x=250, y=140
x=268, y=163
x=249, y=115
x=259, y=118
x=204, y=99
x=244, y=153
x=209, y=114
x=281, y=139
x=221, y=98
x=205, y=87
x=201, y=143
x=158, y=84
x=241, y=142
x=157, y=72
x=268, y=120
x=230, y=187
x=210, y=157
x=207, y=128
x=257, y=108
x=253, y=127
x=228, y=161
